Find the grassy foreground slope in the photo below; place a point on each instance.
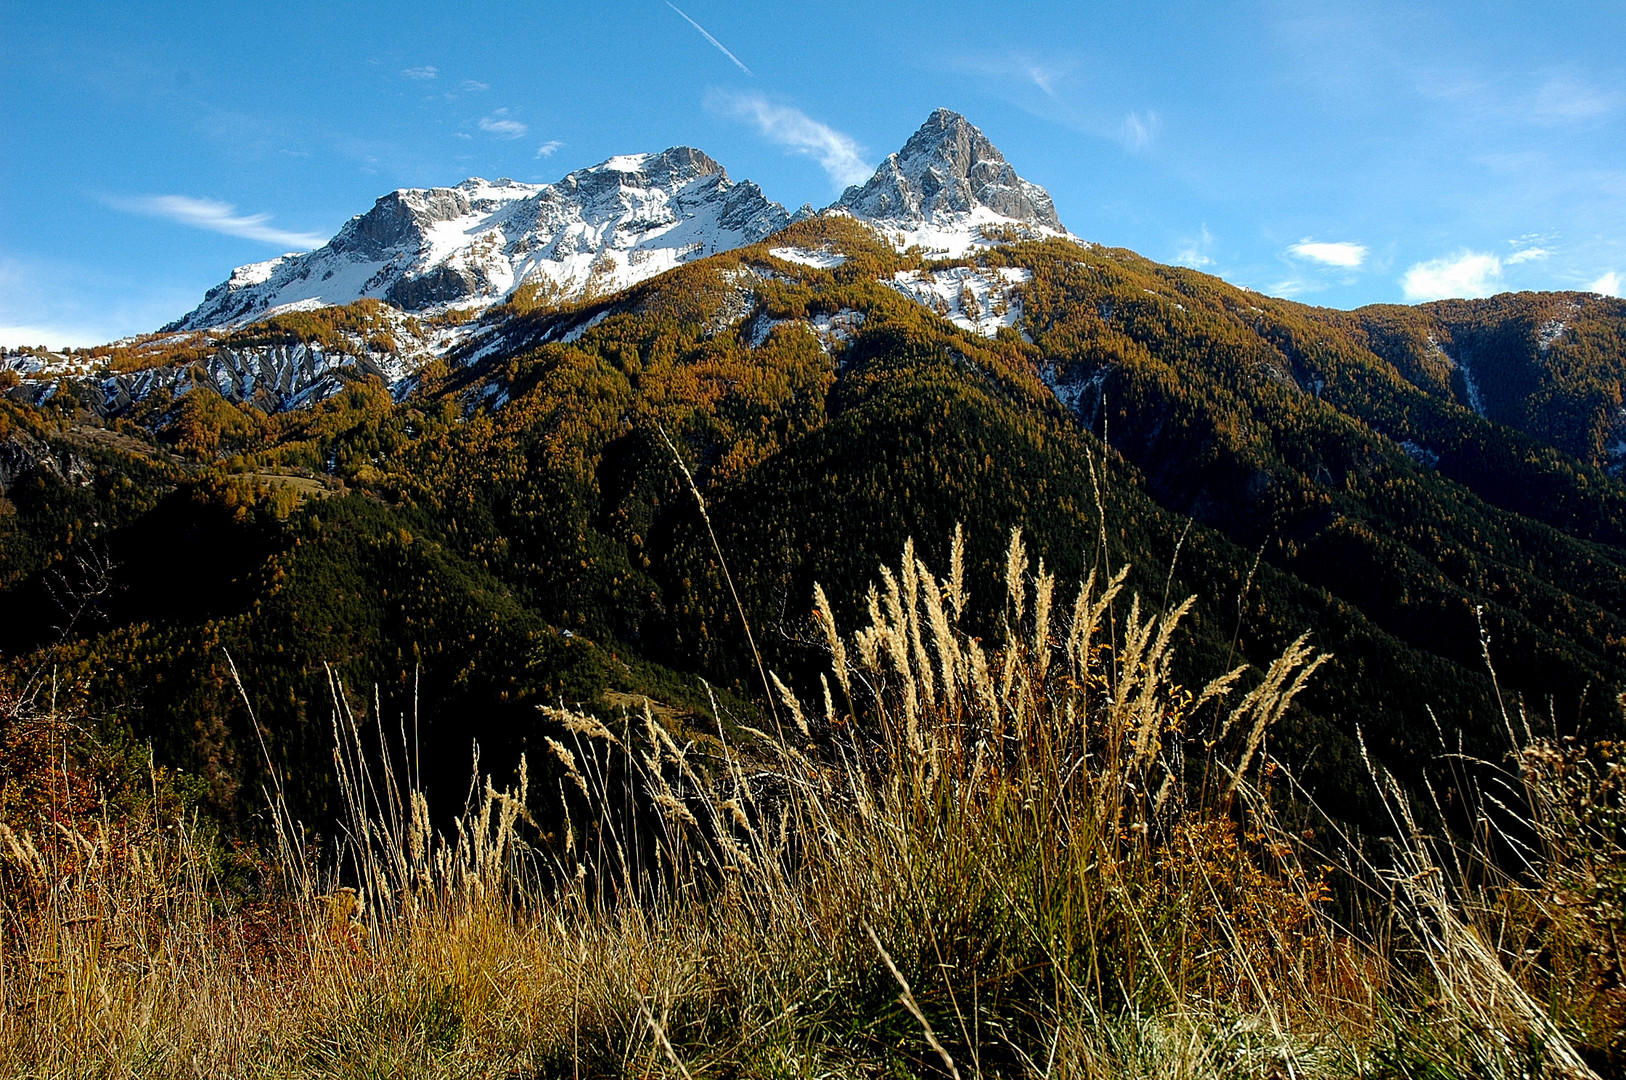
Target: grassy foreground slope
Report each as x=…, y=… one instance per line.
x=940, y=859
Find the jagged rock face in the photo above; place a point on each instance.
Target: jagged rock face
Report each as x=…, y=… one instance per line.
x=597, y=229
x=272, y=378
x=21, y=452
x=949, y=169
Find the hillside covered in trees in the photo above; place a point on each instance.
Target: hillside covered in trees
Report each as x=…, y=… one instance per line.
x=1405, y=484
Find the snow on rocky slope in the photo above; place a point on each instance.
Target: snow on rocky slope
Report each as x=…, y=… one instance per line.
x=597, y=230
x=973, y=299
x=606, y=227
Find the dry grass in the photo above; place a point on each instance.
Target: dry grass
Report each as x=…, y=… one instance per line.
x=949, y=860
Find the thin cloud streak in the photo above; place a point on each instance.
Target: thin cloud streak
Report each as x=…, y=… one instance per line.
x=503, y=127
x=215, y=216
x=1139, y=130
x=707, y=35
x=548, y=148
x=1043, y=74
x=838, y=154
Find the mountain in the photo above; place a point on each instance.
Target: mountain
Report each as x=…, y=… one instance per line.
x=422, y=261
x=949, y=189
x=595, y=231
x=501, y=523
x=604, y=228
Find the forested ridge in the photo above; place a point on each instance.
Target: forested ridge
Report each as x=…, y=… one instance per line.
x=517, y=532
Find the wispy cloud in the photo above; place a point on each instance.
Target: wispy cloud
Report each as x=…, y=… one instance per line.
x=786, y=126
x=707, y=35
x=1565, y=99
x=1341, y=253
x=1044, y=73
x=1529, y=254
x=215, y=216
x=1608, y=285
x=1139, y=129
x=474, y=86
x=1194, y=253
x=503, y=126
x=1465, y=274
x=425, y=72
x=1290, y=288
x=1043, y=76
x=548, y=148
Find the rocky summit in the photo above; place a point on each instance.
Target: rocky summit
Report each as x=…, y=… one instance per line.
x=949, y=170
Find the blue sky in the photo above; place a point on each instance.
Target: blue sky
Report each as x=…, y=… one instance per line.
x=1335, y=153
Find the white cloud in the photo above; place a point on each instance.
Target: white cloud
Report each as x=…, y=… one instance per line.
x=837, y=153
x=425, y=72
x=473, y=86
x=217, y=217
x=548, y=148
x=1343, y=253
x=1465, y=274
x=503, y=126
x=1529, y=254
x=1194, y=253
x=1607, y=285
x=705, y=34
x=1138, y=130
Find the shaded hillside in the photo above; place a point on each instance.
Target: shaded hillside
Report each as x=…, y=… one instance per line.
x=1547, y=364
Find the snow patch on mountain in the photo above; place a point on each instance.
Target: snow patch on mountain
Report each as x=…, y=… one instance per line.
x=1421, y=454
x=821, y=260
x=836, y=328
x=1549, y=332
x=37, y=364
x=831, y=329
x=1080, y=394
x=1470, y=385
x=575, y=332
x=975, y=299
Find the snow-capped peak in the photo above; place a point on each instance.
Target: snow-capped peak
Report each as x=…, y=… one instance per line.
x=596, y=230
x=947, y=189
x=628, y=218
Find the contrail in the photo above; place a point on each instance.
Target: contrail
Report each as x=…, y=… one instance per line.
x=706, y=34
